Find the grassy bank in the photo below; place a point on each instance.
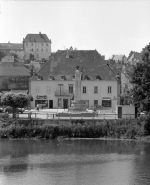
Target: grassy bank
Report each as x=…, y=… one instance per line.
x=126, y=129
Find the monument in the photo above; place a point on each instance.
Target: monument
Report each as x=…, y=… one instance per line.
x=78, y=104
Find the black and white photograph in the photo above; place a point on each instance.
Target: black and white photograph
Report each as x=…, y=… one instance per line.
x=74, y=92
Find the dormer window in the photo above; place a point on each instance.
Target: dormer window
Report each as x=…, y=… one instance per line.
x=73, y=77
x=39, y=77
x=87, y=77
x=51, y=77
x=98, y=77
x=63, y=77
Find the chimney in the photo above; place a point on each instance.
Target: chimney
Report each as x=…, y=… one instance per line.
x=39, y=33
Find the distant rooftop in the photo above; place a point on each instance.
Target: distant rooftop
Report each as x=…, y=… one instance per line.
x=42, y=38
x=14, y=71
x=11, y=46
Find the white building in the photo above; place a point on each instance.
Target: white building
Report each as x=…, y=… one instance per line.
x=54, y=84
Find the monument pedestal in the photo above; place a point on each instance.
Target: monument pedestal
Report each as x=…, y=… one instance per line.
x=79, y=105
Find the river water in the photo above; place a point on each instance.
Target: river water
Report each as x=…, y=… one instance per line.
x=74, y=162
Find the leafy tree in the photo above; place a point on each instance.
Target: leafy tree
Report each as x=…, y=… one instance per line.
x=2, y=54
x=31, y=56
x=15, y=100
x=141, y=81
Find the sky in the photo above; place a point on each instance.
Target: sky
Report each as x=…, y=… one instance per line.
x=109, y=26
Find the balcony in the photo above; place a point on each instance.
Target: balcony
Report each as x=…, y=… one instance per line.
x=63, y=93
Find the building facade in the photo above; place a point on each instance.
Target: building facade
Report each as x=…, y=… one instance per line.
x=59, y=94
x=54, y=85
x=37, y=46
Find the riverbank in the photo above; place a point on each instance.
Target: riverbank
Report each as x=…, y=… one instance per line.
x=90, y=129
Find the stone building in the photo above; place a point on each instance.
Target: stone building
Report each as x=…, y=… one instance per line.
x=37, y=46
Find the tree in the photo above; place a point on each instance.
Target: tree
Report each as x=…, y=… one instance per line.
x=141, y=81
x=15, y=100
x=31, y=56
x=2, y=54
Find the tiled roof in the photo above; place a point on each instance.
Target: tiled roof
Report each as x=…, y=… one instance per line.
x=14, y=71
x=90, y=60
x=135, y=55
x=130, y=54
x=37, y=38
x=12, y=46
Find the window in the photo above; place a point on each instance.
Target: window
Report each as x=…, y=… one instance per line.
x=51, y=77
x=60, y=89
x=46, y=44
x=32, y=49
x=42, y=44
x=42, y=50
x=26, y=44
x=39, y=77
x=46, y=50
x=37, y=89
x=95, y=89
x=109, y=89
x=59, y=102
x=106, y=103
x=95, y=103
x=84, y=89
x=32, y=44
x=37, y=50
x=48, y=89
x=71, y=89
x=63, y=77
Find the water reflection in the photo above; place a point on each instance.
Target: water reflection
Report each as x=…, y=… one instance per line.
x=72, y=162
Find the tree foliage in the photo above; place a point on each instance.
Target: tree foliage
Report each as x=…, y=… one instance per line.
x=141, y=80
x=15, y=100
x=2, y=54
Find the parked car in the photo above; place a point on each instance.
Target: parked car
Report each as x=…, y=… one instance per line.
x=10, y=110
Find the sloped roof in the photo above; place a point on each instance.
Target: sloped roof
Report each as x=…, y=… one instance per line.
x=90, y=60
x=14, y=71
x=12, y=46
x=130, y=54
x=136, y=55
x=37, y=38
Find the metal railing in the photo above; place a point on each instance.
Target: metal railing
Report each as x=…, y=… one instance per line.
x=63, y=93
x=102, y=116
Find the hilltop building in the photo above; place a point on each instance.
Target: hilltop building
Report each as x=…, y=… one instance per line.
x=37, y=46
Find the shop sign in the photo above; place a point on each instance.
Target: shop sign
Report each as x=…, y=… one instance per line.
x=41, y=97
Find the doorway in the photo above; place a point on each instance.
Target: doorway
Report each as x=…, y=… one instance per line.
x=50, y=104
x=119, y=112
x=65, y=103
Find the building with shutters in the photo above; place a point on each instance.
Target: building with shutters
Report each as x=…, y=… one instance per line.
x=54, y=84
x=37, y=46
